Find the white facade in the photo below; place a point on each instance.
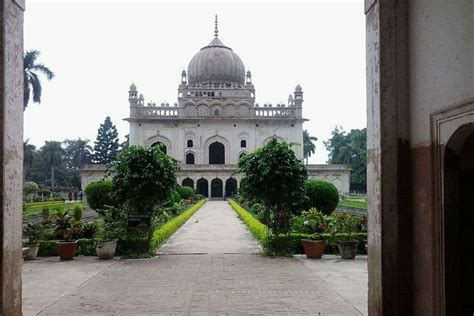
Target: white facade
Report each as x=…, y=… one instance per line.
x=215, y=121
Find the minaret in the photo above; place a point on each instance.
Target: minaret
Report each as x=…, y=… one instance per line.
x=298, y=99
x=133, y=95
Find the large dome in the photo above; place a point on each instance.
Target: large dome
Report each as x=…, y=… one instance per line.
x=216, y=63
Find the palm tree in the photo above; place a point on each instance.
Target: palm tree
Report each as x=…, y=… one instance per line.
x=308, y=146
x=52, y=154
x=79, y=152
x=32, y=82
x=29, y=153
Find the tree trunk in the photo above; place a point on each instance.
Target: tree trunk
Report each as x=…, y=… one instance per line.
x=52, y=177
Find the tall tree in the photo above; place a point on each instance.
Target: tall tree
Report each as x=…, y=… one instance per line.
x=29, y=155
x=308, y=145
x=107, y=143
x=52, y=154
x=78, y=153
x=350, y=148
x=32, y=83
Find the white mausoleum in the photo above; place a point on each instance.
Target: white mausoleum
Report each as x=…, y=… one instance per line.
x=216, y=120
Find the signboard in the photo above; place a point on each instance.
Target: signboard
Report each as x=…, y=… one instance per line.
x=139, y=221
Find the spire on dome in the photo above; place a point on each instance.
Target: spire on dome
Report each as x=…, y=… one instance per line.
x=216, y=30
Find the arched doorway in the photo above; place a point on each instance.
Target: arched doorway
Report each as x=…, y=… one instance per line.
x=190, y=159
x=459, y=222
x=230, y=187
x=161, y=145
x=216, y=154
x=188, y=182
x=202, y=187
x=216, y=188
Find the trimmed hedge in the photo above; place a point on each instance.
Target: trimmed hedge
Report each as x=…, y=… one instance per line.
x=322, y=195
x=257, y=229
x=186, y=192
x=161, y=234
x=98, y=194
x=49, y=248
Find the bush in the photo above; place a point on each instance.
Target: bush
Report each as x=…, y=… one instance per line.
x=257, y=229
x=98, y=194
x=89, y=229
x=322, y=195
x=161, y=234
x=174, y=198
x=77, y=213
x=45, y=213
x=186, y=192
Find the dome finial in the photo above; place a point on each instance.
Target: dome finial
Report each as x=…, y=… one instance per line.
x=216, y=30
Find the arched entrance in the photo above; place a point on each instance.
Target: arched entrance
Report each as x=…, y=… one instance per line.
x=459, y=222
x=216, y=188
x=161, y=145
x=216, y=154
x=188, y=182
x=190, y=159
x=230, y=187
x=202, y=187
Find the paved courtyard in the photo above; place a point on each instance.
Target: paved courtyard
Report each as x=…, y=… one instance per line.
x=209, y=267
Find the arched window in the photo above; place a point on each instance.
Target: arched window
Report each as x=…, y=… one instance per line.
x=190, y=159
x=161, y=145
x=243, y=143
x=190, y=143
x=188, y=182
x=216, y=154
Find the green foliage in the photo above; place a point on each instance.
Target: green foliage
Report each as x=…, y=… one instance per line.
x=49, y=248
x=30, y=188
x=308, y=145
x=77, y=212
x=350, y=148
x=257, y=229
x=32, y=83
x=78, y=152
x=362, y=204
x=321, y=194
x=45, y=213
x=274, y=177
x=161, y=234
x=144, y=178
x=99, y=194
x=89, y=229
x=32, y=232
x=106, y=146
x=174, y=198
x=310, y=222
x=112, y=225
x=52, y=153
x=348, y=224
x=186, y=192
x=63, y=225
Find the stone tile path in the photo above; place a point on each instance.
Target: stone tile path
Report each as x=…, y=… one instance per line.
x=212, y=282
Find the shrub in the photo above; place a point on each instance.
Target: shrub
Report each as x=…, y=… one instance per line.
x=77, y=213
x=161, y=234
x=174, y=198
x=310, y=222
x=89, y=229
x=186, y=192
x=257, y=229
x=98, y=194
x=45, y=213
x=322, y=195
x=48, y=248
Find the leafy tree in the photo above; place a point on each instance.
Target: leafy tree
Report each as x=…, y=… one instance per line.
x=350, y=148
x=308, y=145
x=126, y=143
x=52, y=154
x=78, y=153
x=29, y=157
x=274, y=177
x=32, y=83
x=107, y=143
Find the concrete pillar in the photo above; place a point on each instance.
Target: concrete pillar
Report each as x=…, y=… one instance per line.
x=390, y=288
x=11, y=153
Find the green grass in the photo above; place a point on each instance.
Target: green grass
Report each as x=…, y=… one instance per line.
x=353, y=203
x=161, y=234
x=35, y=208
x=257, y=229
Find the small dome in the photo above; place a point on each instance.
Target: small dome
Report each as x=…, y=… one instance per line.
x=133, y=87
x=298, y=88
x=216, y=63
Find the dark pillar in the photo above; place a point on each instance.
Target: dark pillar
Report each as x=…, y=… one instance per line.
x=388, y=158
x=11, y=153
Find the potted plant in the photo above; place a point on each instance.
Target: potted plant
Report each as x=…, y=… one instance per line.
x=313, y=222
x=64, y=231
x=32, y=231
x=109, y=231
x=347, y=226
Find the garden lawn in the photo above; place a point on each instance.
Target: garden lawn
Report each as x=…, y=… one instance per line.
x=353, y=203
x=36, y=208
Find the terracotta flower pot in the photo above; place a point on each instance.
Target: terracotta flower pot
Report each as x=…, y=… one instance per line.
x=106, y=250
x=348, y=248
x=313, y=248
x=67, y=250
x=32, y=252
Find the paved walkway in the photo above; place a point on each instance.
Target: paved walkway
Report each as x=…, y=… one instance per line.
x=212, y=282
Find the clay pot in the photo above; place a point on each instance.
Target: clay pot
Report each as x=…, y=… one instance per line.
x=348, y=248
x=32, y=252
x=313, y=248
x=67, y=250
x=106, y=250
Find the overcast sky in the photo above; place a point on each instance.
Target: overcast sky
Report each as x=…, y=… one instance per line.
x=97, y=49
